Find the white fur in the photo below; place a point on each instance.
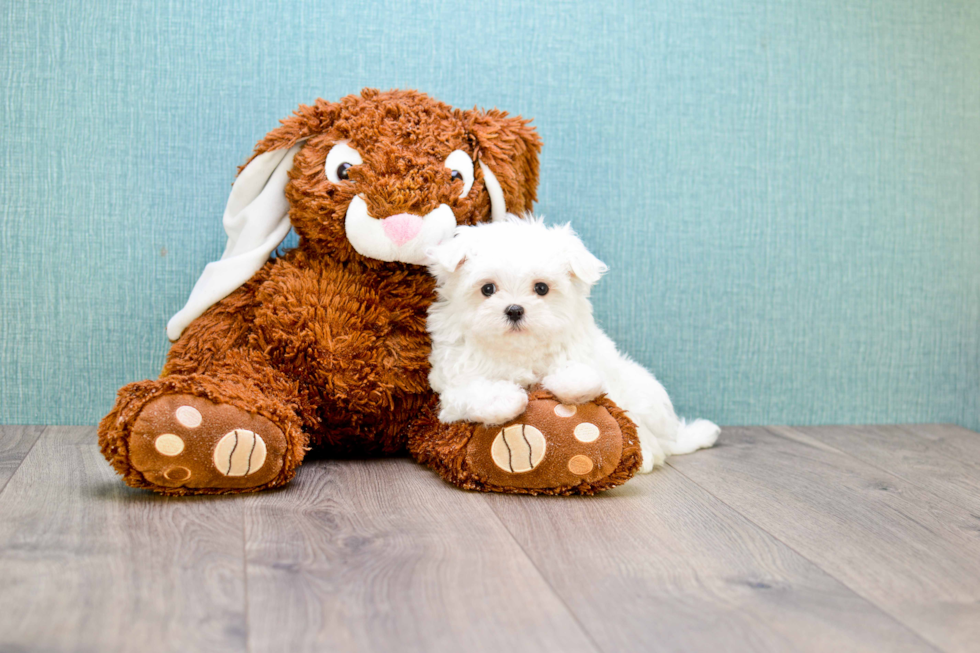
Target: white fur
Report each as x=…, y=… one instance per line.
x=483, y=364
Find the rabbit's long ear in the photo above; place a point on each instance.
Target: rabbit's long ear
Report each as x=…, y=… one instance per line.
x=257, y=214
x=507, y=150
x=256, y=221
x=305, y=122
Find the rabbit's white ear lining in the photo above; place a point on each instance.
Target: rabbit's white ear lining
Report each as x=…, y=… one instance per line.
x=498, y=207
x=256, y=220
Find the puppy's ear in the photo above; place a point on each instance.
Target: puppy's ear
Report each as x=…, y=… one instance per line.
x=448, y=257
x=507, y=149
x=584, y=265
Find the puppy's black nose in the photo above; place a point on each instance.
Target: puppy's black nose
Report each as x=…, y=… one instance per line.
x=514, y=312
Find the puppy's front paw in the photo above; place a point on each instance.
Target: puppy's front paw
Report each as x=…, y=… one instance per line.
x=501, y=403
x=486, y=402
x=575, y=384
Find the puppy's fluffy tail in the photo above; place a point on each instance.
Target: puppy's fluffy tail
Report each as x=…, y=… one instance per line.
x=699, y=434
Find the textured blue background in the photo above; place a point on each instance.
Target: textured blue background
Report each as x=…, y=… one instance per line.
x=788, y=192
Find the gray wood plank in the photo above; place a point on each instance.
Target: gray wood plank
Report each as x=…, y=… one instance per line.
x=949, y=439
x=15, y=442
x=660, y=564
x=914, y=555
x=88, y=564
x=383, y=556
x=907, y=455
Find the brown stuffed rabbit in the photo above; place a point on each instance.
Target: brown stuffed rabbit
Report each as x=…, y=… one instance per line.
x=326, y=346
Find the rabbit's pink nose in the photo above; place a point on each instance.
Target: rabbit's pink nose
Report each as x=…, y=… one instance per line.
x=402, y=228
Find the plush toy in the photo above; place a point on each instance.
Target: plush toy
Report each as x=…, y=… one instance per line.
x=326, y=346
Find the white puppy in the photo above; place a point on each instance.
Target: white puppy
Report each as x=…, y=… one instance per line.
x=513, y=311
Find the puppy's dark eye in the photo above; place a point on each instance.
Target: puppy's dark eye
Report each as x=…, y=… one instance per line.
x=541, y=288
x=342, y=171
x=488, y=289
x=456, y=175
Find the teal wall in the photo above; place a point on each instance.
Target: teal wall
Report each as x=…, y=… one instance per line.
x=788, y=191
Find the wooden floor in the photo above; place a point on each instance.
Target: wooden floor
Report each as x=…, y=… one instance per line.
x=780, y=539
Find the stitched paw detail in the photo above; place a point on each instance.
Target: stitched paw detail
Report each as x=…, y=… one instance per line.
x=550, y=445
x=518, y=448
x=188, y=441
x=239, y=453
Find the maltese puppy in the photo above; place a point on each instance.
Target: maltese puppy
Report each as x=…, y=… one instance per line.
x=513, y=312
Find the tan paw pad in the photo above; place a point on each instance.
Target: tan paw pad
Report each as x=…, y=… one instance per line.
x=169, y=444
x=580, y=465
x=177, y=474
x=586, y=432
x=518, y=448
x=188, y=416
x=566, y=410
x=239, y=453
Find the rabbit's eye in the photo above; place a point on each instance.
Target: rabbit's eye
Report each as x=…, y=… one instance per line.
x=341, y=158
x=461, y=168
